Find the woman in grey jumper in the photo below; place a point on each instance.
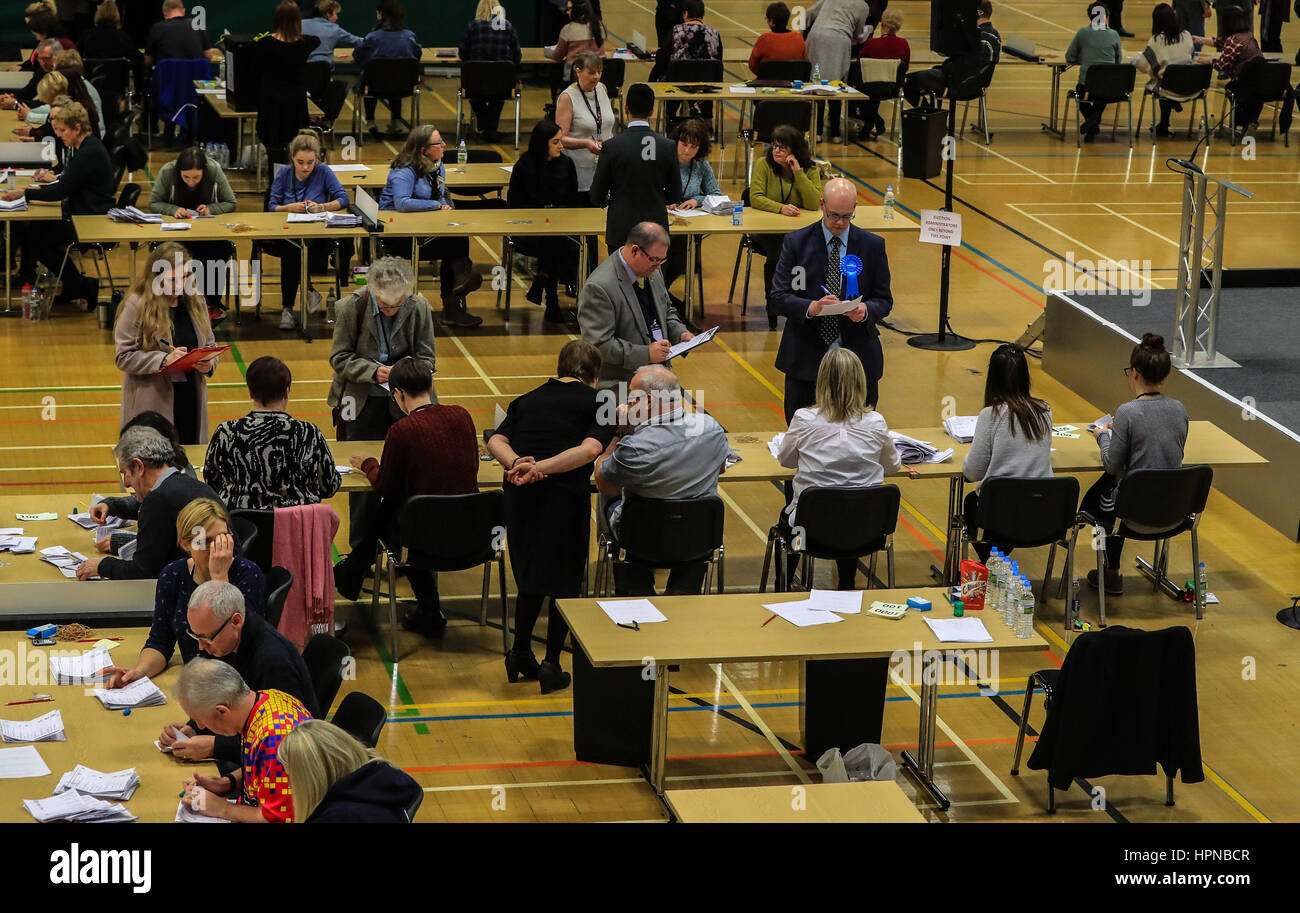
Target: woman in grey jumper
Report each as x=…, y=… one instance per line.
x=1148, y=432
x=1013, y=434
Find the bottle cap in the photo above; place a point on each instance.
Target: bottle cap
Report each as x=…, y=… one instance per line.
x=958, y=608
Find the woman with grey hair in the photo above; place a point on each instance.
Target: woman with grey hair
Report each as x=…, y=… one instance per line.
x=374, y=328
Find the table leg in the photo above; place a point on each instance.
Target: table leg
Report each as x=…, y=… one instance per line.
x=10, y=254
x=688, y=300
x=135, y=248
x=814, y=134
x=1055, y=125
x=951, y=572
x=659, y=734
x=922, y=763
x=844, y=121
x=582, y=262
x=302, y=290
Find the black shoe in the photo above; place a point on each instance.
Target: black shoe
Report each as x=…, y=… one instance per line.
x=534, y=293
x=90, y=291
x=430, y=624
x=375, y=134
x=552, y=678
x=1163, y=130
x=1123, y=32
x=560, y=315
x=347, y=580
x=771, y=319
x=521, y=665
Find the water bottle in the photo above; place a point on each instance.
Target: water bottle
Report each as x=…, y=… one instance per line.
x=11, y=179
x=738, y=214
x=221, y=70
x=462, y=154
x=225, y=155
x=1011, y=595
x=991, y=585
x=817, y=73
x=889, y=203
x=28, y=294
x=1200, y=577
x=1074, y=602
x=1025, y=618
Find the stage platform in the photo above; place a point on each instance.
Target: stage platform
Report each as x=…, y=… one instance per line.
x=1086, y=343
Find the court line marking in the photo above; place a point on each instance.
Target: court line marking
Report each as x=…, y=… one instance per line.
x=1124, y=267
x=758, y=721
x=473, y=363
x=1150, y=231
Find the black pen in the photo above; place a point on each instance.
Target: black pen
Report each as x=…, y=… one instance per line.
x=634, y=626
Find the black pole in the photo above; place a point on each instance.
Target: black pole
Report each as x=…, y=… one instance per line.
x=944, y=341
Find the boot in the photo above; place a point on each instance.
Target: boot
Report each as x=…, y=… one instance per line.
x=553, y=312
x=535, y=291
x=466, y=279
x=454, y=314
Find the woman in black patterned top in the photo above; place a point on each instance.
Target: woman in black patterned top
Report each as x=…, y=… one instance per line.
x=268, y=459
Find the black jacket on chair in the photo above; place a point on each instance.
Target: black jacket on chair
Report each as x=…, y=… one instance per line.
x=1125, y=700
x=638, y=172
x=375, y=793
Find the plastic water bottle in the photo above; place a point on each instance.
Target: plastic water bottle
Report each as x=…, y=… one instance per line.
x=817, y=73
x=1025, y=617
x=1011, y=595
x=1200, y=578
x=1074, y=602
x=991, y=585
x=738, y=215
x=11, y=179
x=462, y=154
x=889, y=203
x=225, y=155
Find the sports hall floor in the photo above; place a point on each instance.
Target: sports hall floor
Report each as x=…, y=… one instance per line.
x=1027, y=199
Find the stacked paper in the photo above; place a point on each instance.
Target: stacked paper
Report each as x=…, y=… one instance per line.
x=187, y=815
x=822, y=607
x=719, y=204
x=342, y=219
x=120, y=784
x=774, y=445
x=18, y=205
x=79, y=669
x=12, y=538
x=86, y=522
x=131, y=214
x=140, y=693
x=67, y=562
x=74, y=806
x=47, y=727
x=913, y=451
x=961, y=428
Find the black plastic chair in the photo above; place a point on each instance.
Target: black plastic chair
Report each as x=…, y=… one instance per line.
x=665, y=533
x=264, y=520
x=785, y=70
x=488, y=80
x=766, y=117
x=278, y=583
x=388, y=77
x=414, y=806
x=613, y=74
x=447, y=533
x=325, y=655
x=245, y=532
x=976, y=89
x=129, y=196
x=1154, y=505
x=692, y=71
x=837, y=524
x=1031, y=513
x=1267, y=81
x=746, y=247
x=1189, y=82
x=1111, y=83
x=362, y=717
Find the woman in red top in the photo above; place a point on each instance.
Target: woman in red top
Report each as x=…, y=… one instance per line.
x=887, y=46
x=780, y=43
x=1237, y=47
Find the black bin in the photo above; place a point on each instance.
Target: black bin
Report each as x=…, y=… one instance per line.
x=923, y=133
x=613, y=713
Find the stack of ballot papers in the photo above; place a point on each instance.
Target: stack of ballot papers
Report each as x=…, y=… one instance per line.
x=822, y=607
x=79, y=669
x=719, y=204
x=18, y=205
x=12, y=539
x=74, y=806
x=913, y=451
x=48, y=727
x=342, y=219
x=140, y=693
x=131, y=214
x=187, y=815
x=120, y=784
x=961, y=428
x=67, y=562
x=85, y=521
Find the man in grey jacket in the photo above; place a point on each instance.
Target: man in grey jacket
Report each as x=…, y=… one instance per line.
x=623, y=308
x=373, y=329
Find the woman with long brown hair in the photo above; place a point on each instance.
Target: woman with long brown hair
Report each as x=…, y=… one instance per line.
x=163, y=317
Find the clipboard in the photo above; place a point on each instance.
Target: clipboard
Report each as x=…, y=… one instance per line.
x=187, y=361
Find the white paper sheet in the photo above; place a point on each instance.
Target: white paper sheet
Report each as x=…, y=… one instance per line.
x=843, y=307
x=683, y=347
x=626, y=611
x=187, y=815
x=18, y=763
x=345, y=168
x=48, y=727
x=802, y=614
x=964, y=630
x=846, y=602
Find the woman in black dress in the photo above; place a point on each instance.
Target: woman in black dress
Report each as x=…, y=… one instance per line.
x=547, y=443
x=545, y=177
x=282, y=103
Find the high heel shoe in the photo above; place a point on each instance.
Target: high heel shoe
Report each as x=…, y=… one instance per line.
x=521, y=665
x=552, y=677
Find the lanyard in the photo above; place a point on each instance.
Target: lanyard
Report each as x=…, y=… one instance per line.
x=596, y=114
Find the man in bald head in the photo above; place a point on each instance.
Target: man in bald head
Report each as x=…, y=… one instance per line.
x=812, y=275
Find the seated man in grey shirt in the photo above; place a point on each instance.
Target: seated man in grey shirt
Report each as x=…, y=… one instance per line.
x=670, y=453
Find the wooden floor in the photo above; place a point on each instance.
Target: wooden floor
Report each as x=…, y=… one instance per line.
x=486, y=750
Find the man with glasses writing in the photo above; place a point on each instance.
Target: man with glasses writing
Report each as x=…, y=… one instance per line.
x=821, y=264
x=623, y=308
x=262, y=655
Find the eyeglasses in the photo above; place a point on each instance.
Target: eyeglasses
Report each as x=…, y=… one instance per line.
x=1128, y=371
x=432, y=144
x=657, y=261
x=839, y=216
x=201, y=638
x=780, y=147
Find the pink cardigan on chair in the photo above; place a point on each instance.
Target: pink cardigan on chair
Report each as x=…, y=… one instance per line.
x=304, y=537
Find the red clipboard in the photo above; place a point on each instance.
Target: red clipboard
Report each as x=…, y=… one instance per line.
x=187, y=361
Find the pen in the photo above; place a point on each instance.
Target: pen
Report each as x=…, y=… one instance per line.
x=634, y=626
x=766, y=623
x=95, y=640
x=39, y=700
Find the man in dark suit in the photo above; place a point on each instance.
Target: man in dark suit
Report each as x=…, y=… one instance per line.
x=637, y=172
x=808, y=279
x=623, y=308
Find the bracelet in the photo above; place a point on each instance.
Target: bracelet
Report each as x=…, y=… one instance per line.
x=234, y=785
x=513, y=462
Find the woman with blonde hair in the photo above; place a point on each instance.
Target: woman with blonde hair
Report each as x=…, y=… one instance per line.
x=163, y=317
x=490, y=36
x=839, y=442
x=337, y=780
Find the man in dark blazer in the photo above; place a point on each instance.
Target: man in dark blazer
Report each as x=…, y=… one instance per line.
x=623, y=308
x=808, y=278
x=637, y=172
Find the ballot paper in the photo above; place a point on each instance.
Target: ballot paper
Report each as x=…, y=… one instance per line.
x=72, y=805
x=498, y=415
x=117, y=785
x=140, y=693
x=306, y=217
x=11, y=531
x=32, y=518
x=354, y=167
x=1104, y=422
x=176, y=226
x=910, y=450
x=627, y=611
x=67, y=562
x=964, y=630
x=961, y=428
x=846, y=602
x=719, y=204
x=26, y=545
x=683, y=347
x=888, y=609
x=774, y=445
x=802, y=614
x=343, y=470
x=48, y=727
x=743, y=90
x=18, y=205
x=187, y=815
x=508, y=169
x=19, y=763
x=127, y=550
x=79, y=668
x=688, y=213
x=843, y=307
x=180, y=737
x=1065, y=431
x=86, y=521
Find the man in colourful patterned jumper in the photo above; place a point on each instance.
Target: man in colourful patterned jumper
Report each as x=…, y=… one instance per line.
x=215, y=696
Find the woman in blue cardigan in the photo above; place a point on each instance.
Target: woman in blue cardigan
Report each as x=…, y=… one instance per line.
x=305, y=185
x=694, y=138
x=417, y=182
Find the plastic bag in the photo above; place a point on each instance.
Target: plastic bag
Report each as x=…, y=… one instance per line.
x=867, y=761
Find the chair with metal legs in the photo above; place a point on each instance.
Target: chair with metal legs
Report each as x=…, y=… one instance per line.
x=836, y=524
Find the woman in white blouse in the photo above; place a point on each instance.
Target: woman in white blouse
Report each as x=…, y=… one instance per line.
x=585, y=117
x=1170, y=43
x=840, y=442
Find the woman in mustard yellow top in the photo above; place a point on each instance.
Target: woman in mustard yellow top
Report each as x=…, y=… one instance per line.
x=785, y=181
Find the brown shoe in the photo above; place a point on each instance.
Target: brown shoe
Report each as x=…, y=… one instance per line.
x=454, y=314
x=1114, y=582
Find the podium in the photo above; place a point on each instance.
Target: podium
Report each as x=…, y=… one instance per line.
x=1196, y=321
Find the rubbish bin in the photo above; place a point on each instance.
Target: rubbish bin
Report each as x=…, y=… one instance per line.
x=923, y=133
